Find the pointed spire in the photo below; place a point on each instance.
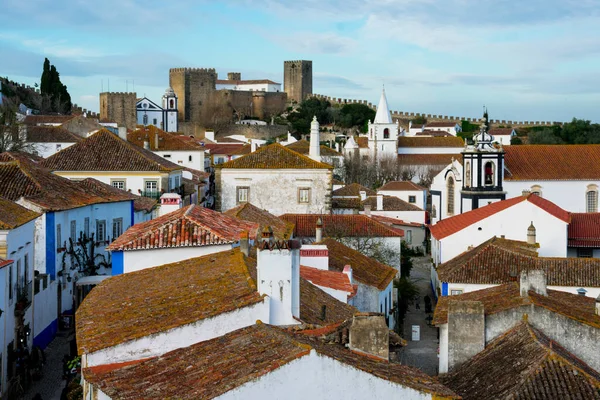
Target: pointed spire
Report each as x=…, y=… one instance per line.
x=383, y=115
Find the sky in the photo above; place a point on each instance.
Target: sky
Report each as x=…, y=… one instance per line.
x=525, y=60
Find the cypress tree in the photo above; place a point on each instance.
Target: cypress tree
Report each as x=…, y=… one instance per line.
x=45, y=82
x=51, y=86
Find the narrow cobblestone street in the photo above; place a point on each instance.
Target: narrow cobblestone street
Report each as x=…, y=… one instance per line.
x=52, y=384
x=423, y=353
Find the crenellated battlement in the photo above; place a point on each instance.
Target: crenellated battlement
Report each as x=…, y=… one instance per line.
x=188, y=69
x=294, y=61
x=134, y=94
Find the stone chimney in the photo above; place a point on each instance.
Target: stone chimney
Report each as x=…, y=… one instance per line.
x=123, y=132
x=525, y=192
x=319, y=231
x=315, y=137
x=531, y=234
x=533, y=280
x=363, y=195
x=244, y=243
x=367, y=208
x=369, y=334
x=267, y=234
x=466, y=331
x=379, y=202
x=170, y=202
x=146, y=145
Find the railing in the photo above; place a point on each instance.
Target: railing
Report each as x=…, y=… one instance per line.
x=153, y=194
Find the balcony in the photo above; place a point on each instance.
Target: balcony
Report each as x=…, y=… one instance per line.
x=24, y=298
x=153, y=194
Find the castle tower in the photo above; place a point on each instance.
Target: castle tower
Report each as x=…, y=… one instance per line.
x=297, y=79
x=119, y=107
x=169, y=104
x=193, y=87
x=483, y=169
x=234, y=76
x=383, y=132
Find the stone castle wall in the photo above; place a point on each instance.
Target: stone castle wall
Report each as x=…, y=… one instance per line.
x=297, y=79
x=119, y=107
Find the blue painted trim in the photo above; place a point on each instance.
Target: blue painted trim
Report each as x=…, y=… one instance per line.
x=47, y=335
x=444, y=288
x=117, y=263
x=50, y=245
x=132, y=215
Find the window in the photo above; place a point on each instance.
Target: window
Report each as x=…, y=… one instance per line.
x=26, y=271
x=177, y=181
x=120, y=184
x=58, y=147
x=591, y=200
x=243, y=193
x=455, y=292
x=450, y=189
x=100, y=230
x=10, y=282
x=489, y=173
x=59, y=242
x=154, y=122
x=73, y=232
x=190, y=158
x=412, y=199
x=386, y=133
x=167, y=156
x=409, y=237
x=86, y=227
x=117, y=227
x=145, y=119
x=19, y=278
x=585, y=252
x=152, y=186
x=467, y=174
x=171, y=103
x=433, y=211
x=303, y=195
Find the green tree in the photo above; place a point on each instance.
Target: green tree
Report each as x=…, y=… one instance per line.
x=546, y=136
x=419, y=120
x=356, y=115
x=52, y=87
x=309, y=108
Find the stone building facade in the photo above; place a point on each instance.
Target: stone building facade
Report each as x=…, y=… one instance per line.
x=119, y=107
x=297, y=79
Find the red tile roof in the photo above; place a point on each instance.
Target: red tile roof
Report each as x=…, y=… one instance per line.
x=331, y=279
x=111, y=193
x=353, y=189
x=500, y=131
x=105, y=151
x=365, y=270
x=320, y=308
x=228, y=149
x=584, y=230
x=429, y=132
x=282, y=230
x=143, y=303
x=499, y=261
x=4, y=263
x=451, y=225
x=416, y=141
x=167, y=141
x=303, y=147
x=391, y=203
x=524, y=364
x=47, y=119
x=401, y=186
x=508, y=296
x=552, y=162
x=13, y=215
x=190, y=226
x=50, y=134
x=395, y=221
x=274, y=156
x=212, y=368
x=334, y=225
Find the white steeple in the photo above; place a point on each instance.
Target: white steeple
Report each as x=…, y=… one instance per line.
x=383, y=115
x=315, y=147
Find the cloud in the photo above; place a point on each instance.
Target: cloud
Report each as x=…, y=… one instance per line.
x=317, y=43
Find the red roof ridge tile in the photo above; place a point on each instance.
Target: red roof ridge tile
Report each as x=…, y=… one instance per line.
x=331, y=279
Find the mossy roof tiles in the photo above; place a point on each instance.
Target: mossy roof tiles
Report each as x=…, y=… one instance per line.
x=353, y=189
x=274, y=156
x=282, y=229
x=13, y=215
x=340, y=225
x=402, y=186
x=303, y=147
x=417, y=141
x=167, y=141
x=51, y=134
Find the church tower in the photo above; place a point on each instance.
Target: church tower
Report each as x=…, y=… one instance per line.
x=383, y=132
x=169, y=106
x=483, y=170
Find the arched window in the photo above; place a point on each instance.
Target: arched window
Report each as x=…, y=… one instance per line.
x=171, y=103
x=433, y=211
x=450, y=188
x=145, y=119
x=489, y=173
x=467, y=174
x=536, y=189
x=591, y=199
x=386, y=133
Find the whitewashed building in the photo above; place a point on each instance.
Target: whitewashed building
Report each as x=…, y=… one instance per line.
x=165, y=117
x=407, y=191
x=234, y=82
x=383, y=132
x=47, y=140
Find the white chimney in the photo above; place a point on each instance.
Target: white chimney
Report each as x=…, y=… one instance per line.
x=348, y=271
x=252, y=146
x=170, y=202
x=244, y=243
x=146, y=145
x=337, y=147
x=379, y=202
x=319, y=231
x=210, y=135
x=315, y=147
x=122, y=132
x=363, y=195
x=367, y=208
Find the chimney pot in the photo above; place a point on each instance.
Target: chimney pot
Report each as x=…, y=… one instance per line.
x=598, y=305
x=367, y=210
x=146, y=145
x=379, y=202
x=363, y=195
x=319, y=231
x=244, y=244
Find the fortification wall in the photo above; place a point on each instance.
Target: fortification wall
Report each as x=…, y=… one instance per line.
x=119, y=107
x=255, y=131
x=404, y=116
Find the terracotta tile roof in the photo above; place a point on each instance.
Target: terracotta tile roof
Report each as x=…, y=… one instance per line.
x=249, y=212
x=363, y=142
x=337, y=182
x=401, y=186
x=105, y=151
x=524, y=364
x=245, y=82
x=211, y=368
x=500, y=131
x=365, y=270
x=13, y=215
x=391, y=203
x=349, y=225
x=340, y=202
x=441, y=124
x=303, y=147
x=416, y=141
x=4, y=263
x=440, y=160
x=584, y=230
x=552, y=162
x=142, y=303
x=331, y=279
x=451, y=225
x=166, y=141
x=395, y=221
x=353, y=189
x=499, y=261
x=506, y=297
x=314, y=302
x=47, y=119
x=274, y=156
x=189, y=226
x=20, y=177
x=429, y=132
x=228, y=149
x=50, y=134
x=111, y=193
x=243, y=150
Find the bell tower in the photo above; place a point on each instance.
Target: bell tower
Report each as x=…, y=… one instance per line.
x=169, y=106
x=483, y=171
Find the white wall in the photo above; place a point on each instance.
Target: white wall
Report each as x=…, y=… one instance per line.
x=407, y=216
x=592, y=292
x=439, y=183
x=310, y=258
x=420, y=195
x=182, y=336
x=45, y=150
x=136, y=260
x=255, y=87
x=430, y=150
x=569, y=195
x=45, y=307
x=183, y=158
x=443, y=350
x=277, y=190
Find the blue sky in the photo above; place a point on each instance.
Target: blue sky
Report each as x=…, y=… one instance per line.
x=529, y=60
